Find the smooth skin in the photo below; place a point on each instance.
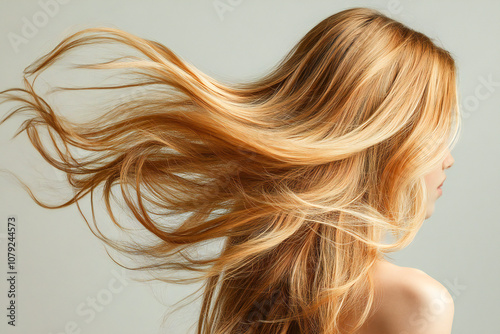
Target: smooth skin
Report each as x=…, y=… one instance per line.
x=434, y=179
x=407, y=300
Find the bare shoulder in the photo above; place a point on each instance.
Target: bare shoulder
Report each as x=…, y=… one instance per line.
x=410, y=301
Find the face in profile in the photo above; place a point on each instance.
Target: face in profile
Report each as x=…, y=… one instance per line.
x=434, y=181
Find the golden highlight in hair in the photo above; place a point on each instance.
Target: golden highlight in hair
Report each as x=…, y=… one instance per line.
x=301, y=173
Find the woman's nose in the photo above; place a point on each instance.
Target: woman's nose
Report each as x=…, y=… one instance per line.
x=449, y=161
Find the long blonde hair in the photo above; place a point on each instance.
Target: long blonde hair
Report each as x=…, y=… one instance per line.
x=301, y=173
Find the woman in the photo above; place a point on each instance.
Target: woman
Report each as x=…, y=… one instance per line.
x=301, y=174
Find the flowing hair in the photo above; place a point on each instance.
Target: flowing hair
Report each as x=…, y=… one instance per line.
x=299, y=174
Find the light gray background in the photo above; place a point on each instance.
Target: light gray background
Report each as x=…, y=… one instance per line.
x=61, y=264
